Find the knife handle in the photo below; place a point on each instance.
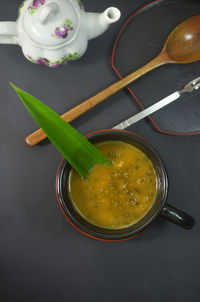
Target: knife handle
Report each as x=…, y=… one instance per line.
x=149, y=110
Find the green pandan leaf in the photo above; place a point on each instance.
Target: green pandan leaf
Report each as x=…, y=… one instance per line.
x=77, y=150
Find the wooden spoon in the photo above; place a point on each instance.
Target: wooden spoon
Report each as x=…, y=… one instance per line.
x=181, y=46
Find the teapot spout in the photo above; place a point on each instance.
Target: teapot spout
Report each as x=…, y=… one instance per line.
x=98, y=23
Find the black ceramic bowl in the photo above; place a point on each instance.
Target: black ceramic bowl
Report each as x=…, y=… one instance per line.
x=159, y=208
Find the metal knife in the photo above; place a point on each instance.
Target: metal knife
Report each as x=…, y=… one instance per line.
x=191, y=86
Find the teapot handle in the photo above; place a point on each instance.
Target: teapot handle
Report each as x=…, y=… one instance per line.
x=8, y=33
x=47, y=11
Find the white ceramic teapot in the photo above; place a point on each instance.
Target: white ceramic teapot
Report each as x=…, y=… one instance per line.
x=53, y=32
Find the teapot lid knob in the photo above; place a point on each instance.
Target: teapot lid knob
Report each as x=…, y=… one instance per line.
x=47, y=11
x=50, y=23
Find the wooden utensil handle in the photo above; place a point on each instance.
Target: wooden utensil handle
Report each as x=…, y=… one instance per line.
x=70, y=115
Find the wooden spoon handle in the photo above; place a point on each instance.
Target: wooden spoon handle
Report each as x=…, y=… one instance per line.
x=70, y=115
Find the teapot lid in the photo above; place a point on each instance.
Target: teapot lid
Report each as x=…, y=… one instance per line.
x=51, y=23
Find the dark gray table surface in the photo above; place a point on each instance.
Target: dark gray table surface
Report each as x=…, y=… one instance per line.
x=42, y=257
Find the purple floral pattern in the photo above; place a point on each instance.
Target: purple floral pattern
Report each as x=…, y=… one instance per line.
x=61, y=62
x=64, y=30
x=35, y=5
x=80, y=4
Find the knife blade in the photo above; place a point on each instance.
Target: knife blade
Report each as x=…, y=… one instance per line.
x=189, y=87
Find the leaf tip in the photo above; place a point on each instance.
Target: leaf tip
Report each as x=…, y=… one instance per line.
x=13, y=86
x=18, y=90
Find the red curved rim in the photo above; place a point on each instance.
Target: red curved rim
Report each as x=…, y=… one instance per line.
x=120, y=76
x=64, y=213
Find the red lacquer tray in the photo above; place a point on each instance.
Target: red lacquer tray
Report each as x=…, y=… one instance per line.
x=140, y=39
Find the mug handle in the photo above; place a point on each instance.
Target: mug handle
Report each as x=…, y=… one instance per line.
x=178, y=217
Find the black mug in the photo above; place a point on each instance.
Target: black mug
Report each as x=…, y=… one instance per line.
x=159, y=208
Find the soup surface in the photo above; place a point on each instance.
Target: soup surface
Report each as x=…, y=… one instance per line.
x=116, y=196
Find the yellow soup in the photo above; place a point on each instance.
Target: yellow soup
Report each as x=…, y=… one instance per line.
x=116, y=196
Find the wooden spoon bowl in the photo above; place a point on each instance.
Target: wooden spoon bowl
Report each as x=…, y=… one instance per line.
x=183, y=43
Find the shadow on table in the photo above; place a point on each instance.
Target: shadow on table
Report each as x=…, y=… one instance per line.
x=155, y=231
